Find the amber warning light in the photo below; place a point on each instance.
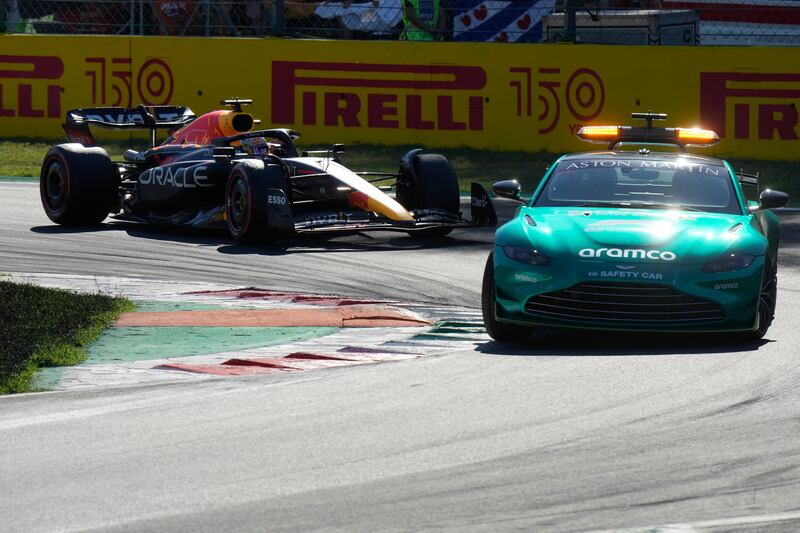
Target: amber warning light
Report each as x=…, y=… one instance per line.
x=599, y=133
x=696, y=136
x=681, y=137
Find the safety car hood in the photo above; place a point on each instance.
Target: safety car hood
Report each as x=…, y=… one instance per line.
x=365, y=195
x=635, y=235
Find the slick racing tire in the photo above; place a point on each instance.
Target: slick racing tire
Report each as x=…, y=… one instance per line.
x=78, y=185
x=258, y=203
x=429, y=183
x=767, y=300
x=499, y=331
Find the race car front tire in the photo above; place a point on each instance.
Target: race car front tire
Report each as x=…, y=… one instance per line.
x=499, y=331
x=429, y=182
x=78, y=185
x=258, y=203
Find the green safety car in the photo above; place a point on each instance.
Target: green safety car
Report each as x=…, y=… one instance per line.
x=636, y=238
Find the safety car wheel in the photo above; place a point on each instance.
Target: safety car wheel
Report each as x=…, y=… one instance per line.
x=430, y=183
x=767, y=299
x=497, y=330
x=78, y=185
x=252, y=189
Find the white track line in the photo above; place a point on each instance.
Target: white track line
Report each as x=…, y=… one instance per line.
x=689, y=527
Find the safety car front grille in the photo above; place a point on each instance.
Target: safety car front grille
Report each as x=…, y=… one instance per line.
x=624, y=303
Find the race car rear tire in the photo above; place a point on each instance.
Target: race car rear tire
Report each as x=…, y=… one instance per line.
x=258, y=203
x=499, y=331
x=78, y=185
x=428, y=181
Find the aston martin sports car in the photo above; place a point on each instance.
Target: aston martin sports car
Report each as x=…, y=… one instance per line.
x=216, y=170
x=636, y=237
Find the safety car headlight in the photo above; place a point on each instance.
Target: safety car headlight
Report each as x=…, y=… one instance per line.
x=729, y=262
x=526, y=255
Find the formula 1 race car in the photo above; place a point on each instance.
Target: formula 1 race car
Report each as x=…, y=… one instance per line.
x=216, y=170
x=636, y=240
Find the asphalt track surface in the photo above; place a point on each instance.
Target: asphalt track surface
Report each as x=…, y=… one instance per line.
x=566, y=433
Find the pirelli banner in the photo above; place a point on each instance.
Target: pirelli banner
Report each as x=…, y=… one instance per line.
x=488, y=95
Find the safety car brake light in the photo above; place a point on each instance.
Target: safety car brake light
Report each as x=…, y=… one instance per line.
x=599, y=133
x=697, y=136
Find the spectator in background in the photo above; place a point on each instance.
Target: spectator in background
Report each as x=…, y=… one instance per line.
x=302, y=21
x=177, y=18
x=254, y=17
x=9, y=15
x=376, y=19
x=423, y=20
x=77, y=17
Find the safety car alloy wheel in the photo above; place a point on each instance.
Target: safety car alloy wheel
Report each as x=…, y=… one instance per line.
x=499, y=331
x=767, y=298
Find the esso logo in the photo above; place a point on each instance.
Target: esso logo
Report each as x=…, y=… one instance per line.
x=274, y=199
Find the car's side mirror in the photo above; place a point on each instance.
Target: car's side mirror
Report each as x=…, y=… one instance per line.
x=510, y=189
x=770, y=199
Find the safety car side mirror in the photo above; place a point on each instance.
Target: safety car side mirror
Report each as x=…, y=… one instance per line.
x=770, y=199
x=510, y=189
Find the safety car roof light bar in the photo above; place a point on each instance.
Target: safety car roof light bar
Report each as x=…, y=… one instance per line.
x=680, y=137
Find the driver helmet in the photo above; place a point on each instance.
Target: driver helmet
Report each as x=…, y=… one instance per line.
x=255, y=146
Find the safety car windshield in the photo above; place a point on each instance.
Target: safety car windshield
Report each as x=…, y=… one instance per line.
x=640, y=183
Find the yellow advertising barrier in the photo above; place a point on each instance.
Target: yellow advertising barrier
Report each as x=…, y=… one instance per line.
x=512, y=97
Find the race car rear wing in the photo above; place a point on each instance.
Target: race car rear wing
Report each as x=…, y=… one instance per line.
x=748, y=179
x=153, y=118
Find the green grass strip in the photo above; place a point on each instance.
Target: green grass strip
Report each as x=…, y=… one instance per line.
x=42, y=327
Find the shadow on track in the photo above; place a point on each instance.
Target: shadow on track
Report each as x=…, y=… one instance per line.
x=352, y=243
x=597, y=343
x=70, y=230
x=319, y=243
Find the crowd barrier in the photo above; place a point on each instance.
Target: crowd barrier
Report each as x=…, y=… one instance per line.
x=522, y=97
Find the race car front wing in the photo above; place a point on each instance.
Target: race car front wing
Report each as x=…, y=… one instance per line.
x=482, y=214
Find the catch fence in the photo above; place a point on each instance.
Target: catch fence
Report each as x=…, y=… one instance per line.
x=713, y=22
